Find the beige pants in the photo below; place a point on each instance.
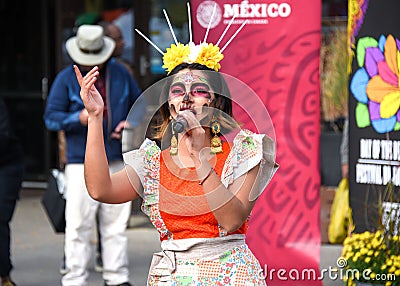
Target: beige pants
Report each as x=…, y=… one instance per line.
x=81, y=211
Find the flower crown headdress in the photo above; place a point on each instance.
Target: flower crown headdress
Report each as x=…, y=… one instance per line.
x=204, y=53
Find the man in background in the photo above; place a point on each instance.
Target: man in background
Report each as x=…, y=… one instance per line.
x=114, y=32
x=65, y=111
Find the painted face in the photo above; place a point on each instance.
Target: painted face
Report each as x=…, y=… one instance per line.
x=189, y=90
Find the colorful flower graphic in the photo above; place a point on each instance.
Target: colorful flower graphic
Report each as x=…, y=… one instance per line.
x=375, y=85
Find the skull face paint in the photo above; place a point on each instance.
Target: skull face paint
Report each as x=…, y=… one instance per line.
x=191, y=91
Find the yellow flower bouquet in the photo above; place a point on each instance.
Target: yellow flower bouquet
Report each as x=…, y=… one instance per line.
x=373, y=258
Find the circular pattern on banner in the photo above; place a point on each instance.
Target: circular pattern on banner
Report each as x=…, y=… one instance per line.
x=204, y=12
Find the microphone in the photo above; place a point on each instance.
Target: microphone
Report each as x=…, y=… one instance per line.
x=180, y=124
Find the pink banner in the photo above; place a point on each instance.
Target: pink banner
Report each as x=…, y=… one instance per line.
x=277, y=55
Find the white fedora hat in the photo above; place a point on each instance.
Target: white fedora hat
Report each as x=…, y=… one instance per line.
x=90, y=47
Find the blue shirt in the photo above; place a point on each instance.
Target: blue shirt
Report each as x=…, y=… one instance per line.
x=64, y=105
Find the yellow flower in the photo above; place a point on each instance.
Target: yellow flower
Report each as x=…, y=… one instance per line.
x=175, y=55
x=210, y=56
x=205, y=54
x=348, y=255
x=392, y=269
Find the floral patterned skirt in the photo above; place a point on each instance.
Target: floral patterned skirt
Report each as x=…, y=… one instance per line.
x=237, y=267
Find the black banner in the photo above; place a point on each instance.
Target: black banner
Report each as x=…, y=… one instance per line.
x=374, y=101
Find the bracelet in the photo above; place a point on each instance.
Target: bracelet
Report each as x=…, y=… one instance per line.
x=206, y=177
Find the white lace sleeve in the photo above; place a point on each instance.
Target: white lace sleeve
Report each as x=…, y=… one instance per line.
x=249, y=150
x=135, y=160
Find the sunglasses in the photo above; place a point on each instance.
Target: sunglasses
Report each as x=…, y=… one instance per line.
x=196, y=90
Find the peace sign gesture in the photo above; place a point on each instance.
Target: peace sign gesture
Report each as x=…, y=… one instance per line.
x=90, y=95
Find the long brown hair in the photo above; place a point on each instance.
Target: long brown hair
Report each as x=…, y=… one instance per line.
x=222, y=102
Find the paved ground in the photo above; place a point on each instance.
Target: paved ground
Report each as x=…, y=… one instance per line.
x=37, y=250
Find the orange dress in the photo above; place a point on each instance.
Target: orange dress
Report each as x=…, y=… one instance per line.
x=196, y=250
x=183, y=206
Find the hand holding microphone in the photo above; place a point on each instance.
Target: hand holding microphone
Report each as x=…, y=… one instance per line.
x=188, y=125
x=180, y=124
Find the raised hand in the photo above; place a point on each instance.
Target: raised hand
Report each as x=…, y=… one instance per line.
x=90, y=95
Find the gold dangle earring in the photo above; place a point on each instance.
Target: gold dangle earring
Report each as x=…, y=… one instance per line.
x=174, y=142
x=216, y=144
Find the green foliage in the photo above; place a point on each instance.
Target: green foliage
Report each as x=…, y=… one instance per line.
x=334, y=76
